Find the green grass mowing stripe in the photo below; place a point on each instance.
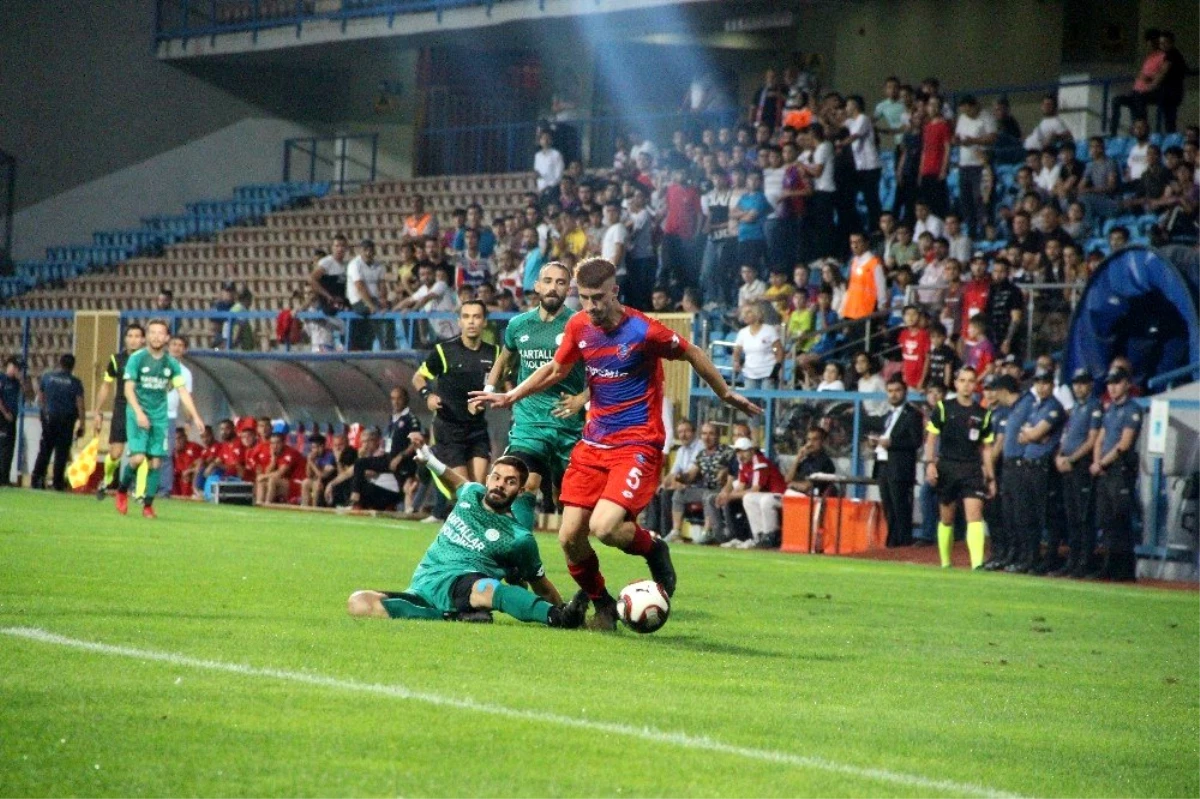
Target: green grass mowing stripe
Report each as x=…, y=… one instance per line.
x=649, y=734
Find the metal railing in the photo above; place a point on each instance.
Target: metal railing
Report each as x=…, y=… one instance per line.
x=340, y=161
x=191, y=19
x=510, y=146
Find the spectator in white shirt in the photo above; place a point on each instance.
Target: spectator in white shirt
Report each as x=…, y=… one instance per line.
x=752, y=288
x=867, y=169
x=616, y=236
x=961, y=245
x=676, y=488
x=434, y=294
x=1047, y=176
x=1051, y=131
x=974, y=133
x=831, y=377
x=366, y=295
x=1135, y=163
x=547, y=163
x=757, y=350
x=927, y=222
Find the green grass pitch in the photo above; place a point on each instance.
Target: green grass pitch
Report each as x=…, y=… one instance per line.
x=209, y=654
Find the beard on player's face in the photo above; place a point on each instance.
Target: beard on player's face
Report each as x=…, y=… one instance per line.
x=498, y=500
x=551, y=302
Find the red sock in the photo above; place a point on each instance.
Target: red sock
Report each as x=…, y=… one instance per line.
x=587, y=575
x=642, y=541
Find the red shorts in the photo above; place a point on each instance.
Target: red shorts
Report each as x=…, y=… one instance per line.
x=627, y=476
x=293, y=496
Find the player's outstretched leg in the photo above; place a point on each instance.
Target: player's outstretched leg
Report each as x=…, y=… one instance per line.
x=524, y=605
x=584, y=565
x=608, y=523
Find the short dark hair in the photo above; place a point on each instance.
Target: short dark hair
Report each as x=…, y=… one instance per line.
x=937, y=327
x=896, y=379
x=593, y=272
x=135, y=326
x=158, y=321
x=67, y=362
x=316, y=438
x=514, y=462
x=480, y=303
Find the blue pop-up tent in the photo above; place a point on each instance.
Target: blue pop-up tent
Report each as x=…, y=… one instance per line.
x=1141, y=305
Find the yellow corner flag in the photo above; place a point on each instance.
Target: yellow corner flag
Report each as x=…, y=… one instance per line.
x=80, y=470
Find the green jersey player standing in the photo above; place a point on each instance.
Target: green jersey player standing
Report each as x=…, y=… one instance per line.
x=487, y=538
x=150, y=373
x=545, y=427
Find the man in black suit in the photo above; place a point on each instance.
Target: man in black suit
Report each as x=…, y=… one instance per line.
x=896, y=448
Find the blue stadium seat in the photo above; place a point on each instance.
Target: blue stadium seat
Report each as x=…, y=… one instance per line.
x=1081, y=150
x=1172, y=140
x=1118, y=147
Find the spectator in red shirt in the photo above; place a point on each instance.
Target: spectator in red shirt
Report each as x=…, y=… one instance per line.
x=680, y=223
x=758, y=485
x=187, y=460
x=914, y=347
x=975, y=292
x=936, y=136
x=279, y=480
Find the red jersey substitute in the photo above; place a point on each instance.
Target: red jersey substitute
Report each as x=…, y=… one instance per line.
x=914, y=350
x=292, y=462
x=760, y=474
x=233, y=456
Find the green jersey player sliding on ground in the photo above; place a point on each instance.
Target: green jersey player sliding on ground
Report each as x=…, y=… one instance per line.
x=486, y=538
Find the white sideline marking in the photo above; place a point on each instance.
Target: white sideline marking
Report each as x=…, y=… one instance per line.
x=680, y=739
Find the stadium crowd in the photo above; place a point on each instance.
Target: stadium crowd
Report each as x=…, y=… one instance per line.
x=844, y=246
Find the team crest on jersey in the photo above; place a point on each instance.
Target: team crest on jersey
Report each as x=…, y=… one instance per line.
x=640, y=458
x=622, y=351
x=491, y=534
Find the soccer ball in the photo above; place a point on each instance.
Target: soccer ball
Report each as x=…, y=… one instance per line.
x=643, y=606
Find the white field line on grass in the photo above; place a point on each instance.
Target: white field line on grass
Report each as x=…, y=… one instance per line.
x=679, y=739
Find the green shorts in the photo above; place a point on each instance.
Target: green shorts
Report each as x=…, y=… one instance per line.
x=153, y=442
x=546, y=451
x=443, y=594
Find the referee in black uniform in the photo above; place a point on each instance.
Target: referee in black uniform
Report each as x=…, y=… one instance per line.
x=114, y=375
x=459, y=366
x=958, y=454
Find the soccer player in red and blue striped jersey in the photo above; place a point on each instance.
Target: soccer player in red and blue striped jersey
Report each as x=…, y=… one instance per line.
x=614, y=470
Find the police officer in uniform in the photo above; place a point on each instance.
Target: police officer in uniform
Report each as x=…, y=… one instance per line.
x=1011, y=406
x=60, y=396
x=1039, y=437
x=12, y=385
x=959, y=465
x=1073, y=463
x=1115, y=466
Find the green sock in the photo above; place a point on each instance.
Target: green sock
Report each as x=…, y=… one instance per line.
x=401, y=608
x=128, y=475
x=975, y=543
x=111, y=467
x=151, y=486
x=522, y=605
x=142, y=473
x=945, y=543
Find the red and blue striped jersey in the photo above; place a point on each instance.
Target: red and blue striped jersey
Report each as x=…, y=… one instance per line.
x=623, y=367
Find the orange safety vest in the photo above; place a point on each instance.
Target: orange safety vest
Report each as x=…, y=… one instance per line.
x=861, y=299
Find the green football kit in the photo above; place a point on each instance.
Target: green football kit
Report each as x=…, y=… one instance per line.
x=542, y=440
x=152, y=379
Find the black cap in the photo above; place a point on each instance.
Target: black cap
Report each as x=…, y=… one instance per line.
x=1043, y=376
x=1116, y=375
x=1006, y=383
x=1081, y=375
x=989, y=382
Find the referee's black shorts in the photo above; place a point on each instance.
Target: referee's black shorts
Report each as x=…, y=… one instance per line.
x=456, y=445
x=960, y=480
x=116, y=428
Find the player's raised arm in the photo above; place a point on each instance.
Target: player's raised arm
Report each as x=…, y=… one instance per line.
x=450, y=478
x=547, y=375
x=709, y=374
